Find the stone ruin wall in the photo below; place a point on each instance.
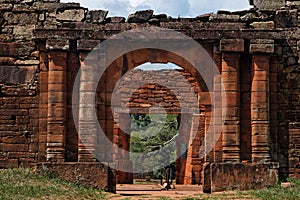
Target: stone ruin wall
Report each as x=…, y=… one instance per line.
x=29, y=29
x=170, y=89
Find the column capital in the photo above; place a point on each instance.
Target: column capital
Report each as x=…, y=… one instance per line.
x=232, y=45
x=262, y=46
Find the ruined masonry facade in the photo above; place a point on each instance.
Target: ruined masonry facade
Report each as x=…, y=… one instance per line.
x=44, y=43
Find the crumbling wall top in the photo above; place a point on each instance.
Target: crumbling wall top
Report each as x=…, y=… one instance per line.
x=272, y=4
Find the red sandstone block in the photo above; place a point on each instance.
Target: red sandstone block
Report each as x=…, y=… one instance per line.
x=259, y=97
x=232, y=45
x=232, y=99
x=229, y=76
x=9, y=163
x=43, y=79
x=9, y=127
x=55, y=129
x=27, y=161
x=260, y=63
x=231, y=86
x=42, y=138
x=231, y=129
x=229, y=64
x=28, y=106
x=55, y=77
x=260, y=86
x=261, y=76
x=260, y=129
x=219, y=145
x=55, y=138
x=15, y=140
x=231, y=141
x=43, y=66
x=34, y=113
x=43, y=124
x=56, y=97
x=7, y=121
x=260, y=137
x=10, y=100
x=58, y=87
x=44, y=98
x=17, y=155
x=14, y=147
x=58, y=60
x=28, y=100
x=15, y=112
x=232, y=113
x=259, y=114
x=259, y=105
x=273, y=77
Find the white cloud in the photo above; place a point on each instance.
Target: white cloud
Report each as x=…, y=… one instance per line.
x=206, y=6
x=174, y=8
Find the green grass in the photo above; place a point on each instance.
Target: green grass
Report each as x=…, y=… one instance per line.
x=26, y=184
x=279, y=193
x=271, y=193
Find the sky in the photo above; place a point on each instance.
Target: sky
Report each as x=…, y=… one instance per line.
x=174, y=8
x=157, y=66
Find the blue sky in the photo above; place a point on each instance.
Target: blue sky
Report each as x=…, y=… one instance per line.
x=174, y=8
x=157, y=66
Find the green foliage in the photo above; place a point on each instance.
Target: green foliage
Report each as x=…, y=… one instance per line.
x=153, y=141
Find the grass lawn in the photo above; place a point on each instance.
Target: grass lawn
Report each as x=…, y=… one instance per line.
x=27, y=184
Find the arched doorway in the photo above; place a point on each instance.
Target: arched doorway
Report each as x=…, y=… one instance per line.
x=155, y=97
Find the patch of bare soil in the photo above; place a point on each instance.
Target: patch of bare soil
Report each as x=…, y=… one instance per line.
x=149, y=192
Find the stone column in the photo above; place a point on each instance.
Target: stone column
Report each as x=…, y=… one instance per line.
x=231, y=127
x=87, y=119
x=43, y=103
x=56, y=125
x=217, y=106
x=122, y=153
x=231, y=49
x=260, y=127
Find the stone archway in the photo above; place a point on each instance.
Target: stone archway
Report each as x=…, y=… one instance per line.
x=192, y=165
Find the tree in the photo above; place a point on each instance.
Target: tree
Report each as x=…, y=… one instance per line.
x=153, y=141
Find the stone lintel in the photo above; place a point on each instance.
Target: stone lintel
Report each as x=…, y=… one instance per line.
x=232, y=45
x=262, y=46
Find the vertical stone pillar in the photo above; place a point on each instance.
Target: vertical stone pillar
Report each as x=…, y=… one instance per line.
x=193, y=163
x=273, y=104
x=260, y=127
x=87, y=119
x=217, y=106
x=231, y=127
x=43, y=104
x=72, y=103
x=56, y=126
x=122, y=155
x=182, y=142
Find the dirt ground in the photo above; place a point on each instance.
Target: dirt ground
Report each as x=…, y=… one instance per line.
x=153, y=191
